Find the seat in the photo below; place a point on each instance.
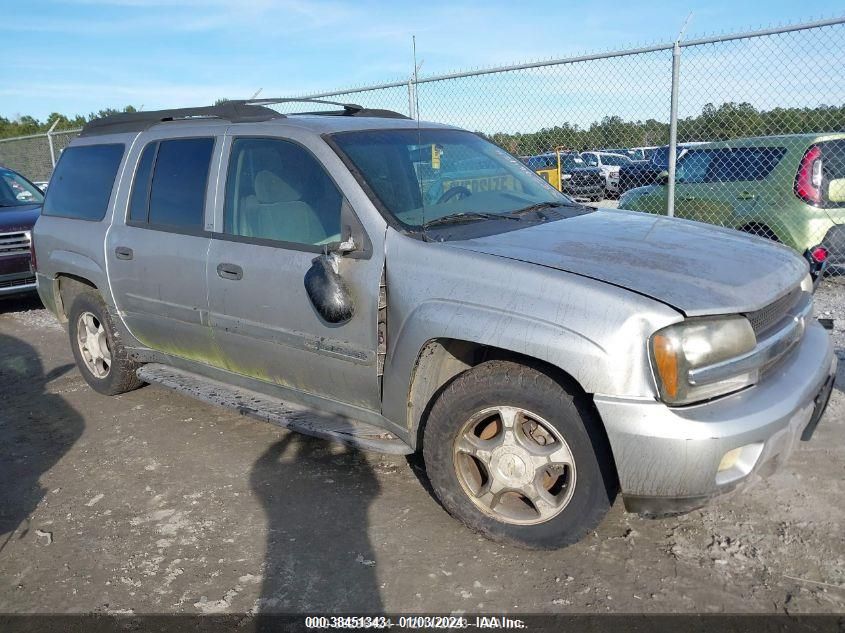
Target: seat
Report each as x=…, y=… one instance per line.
x=276, y=212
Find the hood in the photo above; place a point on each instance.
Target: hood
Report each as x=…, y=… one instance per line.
x=696, y=268
x=19, y=218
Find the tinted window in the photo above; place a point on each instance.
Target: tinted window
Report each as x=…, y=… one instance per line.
x=138, y=206
x=591, y=159
x=744, y=163
x=82, y=182
x=277, y=190
x=177, y=193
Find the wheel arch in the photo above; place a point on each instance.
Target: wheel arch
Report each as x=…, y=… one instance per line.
x=67, y=287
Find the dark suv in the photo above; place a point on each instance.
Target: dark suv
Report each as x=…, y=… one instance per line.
x=20, y=205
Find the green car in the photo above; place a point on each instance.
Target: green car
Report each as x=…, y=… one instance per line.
x=788, y=188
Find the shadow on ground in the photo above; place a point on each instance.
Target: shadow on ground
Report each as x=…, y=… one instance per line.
x=316, y=496
x=37, y=428
x=20, y=303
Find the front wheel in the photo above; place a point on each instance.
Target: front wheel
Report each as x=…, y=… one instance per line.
x=515, y=456
x=99, y=354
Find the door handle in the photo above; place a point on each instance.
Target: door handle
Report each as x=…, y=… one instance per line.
x=746, y=195
x=123, y=252
x=230, y=271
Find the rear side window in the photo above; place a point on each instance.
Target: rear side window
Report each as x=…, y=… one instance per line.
x=170, y=184
x=741, y=164
x=82, y=183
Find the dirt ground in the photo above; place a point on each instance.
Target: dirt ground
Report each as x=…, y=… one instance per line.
x=152, y=502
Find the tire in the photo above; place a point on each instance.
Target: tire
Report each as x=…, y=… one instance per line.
x=109, y=378
x=582, y=493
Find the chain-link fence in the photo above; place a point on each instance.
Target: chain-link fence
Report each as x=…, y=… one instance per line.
x=35, y=156
x=745, y=130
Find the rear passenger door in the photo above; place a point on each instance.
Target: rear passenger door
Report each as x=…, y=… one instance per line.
x=281, y=210
x=157, y=251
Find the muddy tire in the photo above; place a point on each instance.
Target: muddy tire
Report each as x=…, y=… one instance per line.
x=519, y=458
x=99, y=354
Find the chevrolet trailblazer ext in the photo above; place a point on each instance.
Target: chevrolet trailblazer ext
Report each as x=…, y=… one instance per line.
x=403, y=286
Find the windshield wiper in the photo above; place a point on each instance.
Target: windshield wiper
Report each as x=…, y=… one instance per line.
x=464, y=216
x=539, y=207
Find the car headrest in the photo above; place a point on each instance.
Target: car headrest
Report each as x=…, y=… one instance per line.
x=270, y=188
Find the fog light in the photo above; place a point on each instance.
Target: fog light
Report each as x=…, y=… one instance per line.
x=738, y=462
x=730, y=459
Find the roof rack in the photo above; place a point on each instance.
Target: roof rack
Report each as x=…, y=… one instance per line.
x=239, y=111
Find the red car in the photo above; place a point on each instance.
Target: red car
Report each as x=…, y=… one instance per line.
x=20, y=206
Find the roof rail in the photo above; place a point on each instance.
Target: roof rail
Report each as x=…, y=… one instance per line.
x=236, y=111
x=349, y=109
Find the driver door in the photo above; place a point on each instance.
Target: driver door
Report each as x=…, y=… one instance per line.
x=282, y=210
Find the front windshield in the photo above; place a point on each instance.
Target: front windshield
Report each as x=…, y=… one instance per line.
x=614, y=160
x=421, y=175
x=17, y=191
x=571, y=161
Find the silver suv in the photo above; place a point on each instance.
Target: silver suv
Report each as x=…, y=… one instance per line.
x=404, y=286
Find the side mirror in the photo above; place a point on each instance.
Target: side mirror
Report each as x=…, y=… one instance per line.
x=663, y=178
x=836, y=190
x=327, y=290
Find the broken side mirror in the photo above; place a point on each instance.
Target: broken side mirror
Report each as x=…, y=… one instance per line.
x=327, y=290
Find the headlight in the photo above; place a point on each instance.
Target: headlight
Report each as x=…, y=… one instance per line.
x=678, y=349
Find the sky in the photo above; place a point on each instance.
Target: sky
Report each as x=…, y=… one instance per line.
x=79, y=56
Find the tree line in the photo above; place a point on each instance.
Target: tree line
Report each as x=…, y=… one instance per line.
x=25, y=125
x=727, y=121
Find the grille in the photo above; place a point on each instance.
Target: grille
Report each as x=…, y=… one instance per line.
x=26, y=281
x=12, y=244
x=765, y=318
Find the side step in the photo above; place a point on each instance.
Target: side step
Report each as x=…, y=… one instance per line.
x=269, y=409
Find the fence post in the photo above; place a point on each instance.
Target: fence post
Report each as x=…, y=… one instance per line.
x=411, y=98
x=50, y=142
x=673, y=129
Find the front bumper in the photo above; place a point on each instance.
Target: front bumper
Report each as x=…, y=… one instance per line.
x=583, y=189
x=668, y=458
x=17, y=283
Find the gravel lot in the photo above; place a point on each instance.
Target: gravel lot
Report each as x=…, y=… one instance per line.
x=151, y=502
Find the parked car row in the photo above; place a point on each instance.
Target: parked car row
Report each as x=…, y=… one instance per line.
x=790, y=189
x=20, y=205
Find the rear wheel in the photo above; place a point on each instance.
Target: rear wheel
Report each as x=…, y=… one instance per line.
x=515, y=456
x=99, y=354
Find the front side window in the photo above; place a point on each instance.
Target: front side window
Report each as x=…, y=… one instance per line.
x=425, y=176
x=276, y=190
x=615, y=160
x=82, y=182
x=591, y=159
x=15, y=190
x=693, y=166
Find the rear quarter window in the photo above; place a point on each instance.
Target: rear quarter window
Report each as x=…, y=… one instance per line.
x=742, y=164
x=82, y=183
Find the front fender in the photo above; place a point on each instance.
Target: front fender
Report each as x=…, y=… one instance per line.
x=552, y=343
